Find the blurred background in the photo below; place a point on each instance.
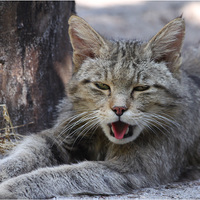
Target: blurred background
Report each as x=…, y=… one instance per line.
x=29, y=59
x=136, y=19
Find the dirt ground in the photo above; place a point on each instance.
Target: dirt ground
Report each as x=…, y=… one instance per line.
x=141, y=20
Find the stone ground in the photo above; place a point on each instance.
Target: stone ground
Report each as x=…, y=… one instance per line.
x=141, y=20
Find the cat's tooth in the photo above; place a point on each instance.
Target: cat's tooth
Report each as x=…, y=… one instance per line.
x=112, y=129
x=127, y=130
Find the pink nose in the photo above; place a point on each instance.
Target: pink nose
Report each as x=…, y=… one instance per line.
x=119, y=110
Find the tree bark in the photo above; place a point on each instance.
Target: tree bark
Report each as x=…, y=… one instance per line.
x=35, y=60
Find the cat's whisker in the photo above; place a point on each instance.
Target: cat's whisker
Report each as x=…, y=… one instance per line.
x=166, y=120
x=89, y=119
x=146, y=125
x=71, y=125
x=85, y=126
x=159, y=122
x=156, y=123
x=138, y=123
x=95, y=128
x=70, y=134
x=142, y=122
x=71, y=119
x=172, y=120
x=161, y=119
x=152, y=126
x=87, y=129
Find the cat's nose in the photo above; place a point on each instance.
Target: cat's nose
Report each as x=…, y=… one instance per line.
x=119, y=110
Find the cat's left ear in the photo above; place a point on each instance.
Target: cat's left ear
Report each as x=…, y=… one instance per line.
x=166, y=45
x=86, y=42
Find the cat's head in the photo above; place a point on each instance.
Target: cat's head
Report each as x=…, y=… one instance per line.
x=125, y=87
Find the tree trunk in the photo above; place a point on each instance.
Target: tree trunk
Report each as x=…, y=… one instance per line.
x=35, y=60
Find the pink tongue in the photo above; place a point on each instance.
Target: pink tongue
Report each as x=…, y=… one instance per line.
x=119, y=129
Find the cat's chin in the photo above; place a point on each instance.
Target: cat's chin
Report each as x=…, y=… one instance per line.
x=132, y=133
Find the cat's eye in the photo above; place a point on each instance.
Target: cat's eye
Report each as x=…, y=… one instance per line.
x=141, y=88
x=102, y=86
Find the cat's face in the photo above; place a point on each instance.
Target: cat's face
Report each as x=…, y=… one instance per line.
x=124, y=91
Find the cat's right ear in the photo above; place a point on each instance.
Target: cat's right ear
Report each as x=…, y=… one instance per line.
x=86, y=42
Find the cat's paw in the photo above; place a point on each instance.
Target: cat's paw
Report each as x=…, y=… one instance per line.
x=6, y=193
x=12, y=189
x=24, y=186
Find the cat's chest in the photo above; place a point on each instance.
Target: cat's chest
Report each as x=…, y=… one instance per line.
x=96, y=147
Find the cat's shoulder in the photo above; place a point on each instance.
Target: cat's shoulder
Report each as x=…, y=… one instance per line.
x=191, y=63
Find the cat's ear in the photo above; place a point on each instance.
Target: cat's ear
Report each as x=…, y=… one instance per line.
x=166, y=45
x=86, y=42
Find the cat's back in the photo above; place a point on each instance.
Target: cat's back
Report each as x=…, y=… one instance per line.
x=191, y=63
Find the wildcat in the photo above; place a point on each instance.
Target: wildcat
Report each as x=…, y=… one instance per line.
x=131, y=120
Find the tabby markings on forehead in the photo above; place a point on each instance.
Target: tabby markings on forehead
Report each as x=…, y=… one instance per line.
x=128, y=50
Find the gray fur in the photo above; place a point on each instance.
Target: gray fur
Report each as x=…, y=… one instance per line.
x=79, y=155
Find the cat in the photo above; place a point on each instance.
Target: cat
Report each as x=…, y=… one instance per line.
x=131, y=119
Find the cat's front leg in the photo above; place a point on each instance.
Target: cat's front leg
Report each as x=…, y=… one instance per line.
x=36, y=151
x=82, y=178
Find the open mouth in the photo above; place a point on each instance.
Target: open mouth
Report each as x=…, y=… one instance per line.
x=121, y=130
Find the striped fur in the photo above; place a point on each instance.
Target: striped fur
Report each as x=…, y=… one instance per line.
x=83, y=153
